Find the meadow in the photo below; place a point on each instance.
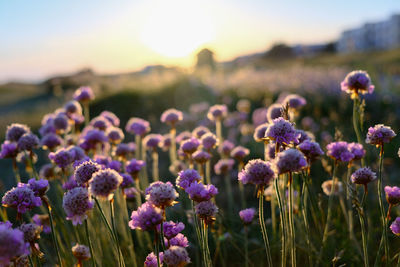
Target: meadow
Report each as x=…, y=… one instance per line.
x=262, y=164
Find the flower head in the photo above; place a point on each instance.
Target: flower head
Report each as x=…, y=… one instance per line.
x=239, y=153
x=310, y=149
x=12, y=244
x=209, y=141
x=187, y=177
x=294, y=101
x=206, y=210
x=201, y=157
x=223, y=166
x=130, y=193
x=39, y=187
x=73, y=107
x=247, y=215
x=171, y=116
x=137, y=126
x=179, y=240
x=357, y=150
x=339, y=151
x=183, y=136
x=31, y=232
x=134, y=166
x=62, y=157
x=291, y=160
x=189, y=146
x=199, y=131
x=83, y=173
x=357, y=82
x=83, y=94
x=363, y=176
x=176, y=256
x=165, y=143
x=111, y=117
x=171, y=229
x=21, y=198
x=282, y=132
x=392, y=195
x=9, y=150
x=127, y=180
x=28, y=142
x=161, y=194
x=395, y=226
x=226, y=147
x=257, y=172
x=104, y=183
x=15, y=131
x=152, y=140
x=259, y=132
x=81, y=252
x=217, y=112
x=115, y=135
x=274, y=111
x=51, y=141
x=43, y=221
x=77, y=204
x=151, y=260
x=200, y=192
x=146, y=217
x=379, y=134
x=327, y=187
x=124, y=150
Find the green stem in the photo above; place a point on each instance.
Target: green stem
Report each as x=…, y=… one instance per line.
x=218, y=130
x=157, y=247
x=86, y=113
x=246, y=246
x=16, y=172
x=196, y=226
x=154, y=156
x=172, y=149
x=282, y=217
x=361, y=216
x=208, y=172
x=90, y=243
x=305, y=219
x=291, y=221
x=356, y=123
x=138, y=143
x=53, y=236
x=120, y=260
x=382, y=208
x=262, y=224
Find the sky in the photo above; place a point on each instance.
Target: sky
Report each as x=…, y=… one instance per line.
x=42, y=38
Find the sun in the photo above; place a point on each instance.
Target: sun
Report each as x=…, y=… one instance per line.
x=176, y=28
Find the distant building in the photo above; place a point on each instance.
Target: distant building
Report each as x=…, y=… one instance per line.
x=382, y=35
x=205, y=58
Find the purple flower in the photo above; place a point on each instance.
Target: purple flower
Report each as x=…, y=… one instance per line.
x=223, y=166
x=357, y=82
x=28, y=142
x=247, y=215
x=83, y=94
x=115, y=135
x=31, y=232
x=146, y=217
x=187, y=177
x=209, y=141
x=303, y=136
x=92, y=138
x=201, y=157
x=134, y=166
x=171, y=116
x=137, y=126
x=273, y=112
x=111, y=117
x=51, y=141
x=104, y=183
x=22, y=199
x=161, y=194
x=165, y=143
x=115, y=165
x=357, y=150
x=39, y=187
x=395, y=226
x=363, y=176
x=282, y=132
x=327, y=187
x=61, y=123
x=269, y=151
x=340, y=151
x=206, y=210
x=42, y=220
x=226, y=147
x=379, y=134
x=100, y=123
x=177, y=167
x=81, y=252
x=179, y=240
x=239, y=153
x=189, y=146
x=76, y=152
x=127, y=180
x=151, y=260
x=70, y=184
x=176, y=256
x=199, y=131
x=77, y=204
x=171, y=229
x=259, y=132
x=130, y=193
x=257, y=172
x=392, y=195
x=8, y=150
x=47, y=171
x=294, y=101
x=290, y=160
x=125, y=149
x=62, y=157
x=183, y=136
x=12, y=244
x=259, y=116
x=200, y=192
x=152, y=141
x=15, y=131
x=217, y=112
x=310, y=149
x=83, y=173
x=73, y=107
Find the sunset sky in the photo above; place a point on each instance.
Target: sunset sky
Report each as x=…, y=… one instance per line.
x=42, y=38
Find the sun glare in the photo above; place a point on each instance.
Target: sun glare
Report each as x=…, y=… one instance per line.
x=176, y=28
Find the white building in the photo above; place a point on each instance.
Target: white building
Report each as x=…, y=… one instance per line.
x=371, y=36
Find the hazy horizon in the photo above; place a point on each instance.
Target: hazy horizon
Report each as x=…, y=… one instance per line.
x=45, y=38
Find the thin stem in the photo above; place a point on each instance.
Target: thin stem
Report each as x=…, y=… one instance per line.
x=229, y=192
x=16, y=171
x=208, y=172
x=218, y=130
x=262, y=224
x=196, y=226
x=156, y=247
x=138, y=143
x=356, y=123
x=364, y=236
x=241, y=187
x=283, y=226
x=305, y=219
x=111, y=202
x=53, y=236
x=86, y=113
x=154, y=155
x=291, y=221
x=172, y=149
x=90, y=243
x=246, y=247
x=382, y=208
